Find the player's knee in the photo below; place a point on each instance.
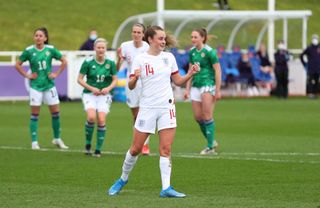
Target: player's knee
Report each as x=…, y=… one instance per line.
x=165, y=151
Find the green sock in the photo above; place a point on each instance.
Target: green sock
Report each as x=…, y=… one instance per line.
x=89, y=127
x=203, y=128
x=101, y=132
x=210, y=128
x=34, y=127
x=56, y=125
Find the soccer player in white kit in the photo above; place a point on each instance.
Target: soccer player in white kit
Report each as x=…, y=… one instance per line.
x=127, y=52
x=155, y=69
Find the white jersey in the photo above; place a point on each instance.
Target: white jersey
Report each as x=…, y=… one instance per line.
x=155, y=77
x=129, y=52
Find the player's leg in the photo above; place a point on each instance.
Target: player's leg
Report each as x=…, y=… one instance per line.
x=207, y=112
x=89, y=128
x=35, y=104
x=145, y=124
x=101, y=133
x=166, y=140
x=103, y=108
x=195, y=96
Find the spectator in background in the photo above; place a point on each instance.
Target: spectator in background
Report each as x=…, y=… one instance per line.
x=42, y=86
x=312, y=52
x=222, y=4
x=101, y=78
x=88, y=45
x=245, y=69
x=281, y=70
x=264, y=59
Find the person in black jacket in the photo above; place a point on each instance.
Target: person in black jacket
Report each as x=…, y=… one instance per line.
x=281, y=70
x=312, y=52
x=88, y=45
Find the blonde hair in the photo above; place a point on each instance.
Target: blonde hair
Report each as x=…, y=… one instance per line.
x=100, y=40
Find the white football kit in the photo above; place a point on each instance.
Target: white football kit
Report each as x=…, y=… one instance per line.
x=157, y=107
x=129, y=52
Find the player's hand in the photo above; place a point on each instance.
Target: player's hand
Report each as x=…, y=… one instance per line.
x=137, y=73
x=119, y=53
x=32, y=76
x=186, y=95
x=52, y=75
x=218, y=95
x=195, y=68
x=105, y=91
x=96, y=91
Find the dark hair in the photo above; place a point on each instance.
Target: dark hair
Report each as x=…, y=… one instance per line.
x=45, y=31
x=203, y=33
x=152, y=30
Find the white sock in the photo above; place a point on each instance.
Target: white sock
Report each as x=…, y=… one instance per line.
x=165, y=171
x=128, y=165
x=147, y=140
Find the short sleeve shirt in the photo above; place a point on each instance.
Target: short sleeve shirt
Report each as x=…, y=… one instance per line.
x=206, y=57
x=155, y=78
x=41, y=63
x=98, y=75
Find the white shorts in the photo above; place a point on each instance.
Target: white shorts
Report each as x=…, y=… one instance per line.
x=133, y=96
x=49, y=97
x=150, y=118
x=100, y=103
x=195, y=92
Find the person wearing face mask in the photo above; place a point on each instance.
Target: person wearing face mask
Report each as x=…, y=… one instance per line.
x=312, y=65
x=281, y=70
x=88, y=45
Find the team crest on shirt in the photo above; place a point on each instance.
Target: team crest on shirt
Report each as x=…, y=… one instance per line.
x=165, y=61
x=203, y=54
x=141, y=123
x=47, y=53
x=107, y=66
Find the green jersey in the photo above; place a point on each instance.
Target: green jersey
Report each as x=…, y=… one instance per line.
x=40, y=63
x=99, y=75
x=206, y=57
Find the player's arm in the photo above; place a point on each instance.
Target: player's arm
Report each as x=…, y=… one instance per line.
x=113, y=84
x=21, y=71
x=134, y=78
x=217, y=69
x=94, y=90
x=120, y=58
x=180, y=80
x=62, y=66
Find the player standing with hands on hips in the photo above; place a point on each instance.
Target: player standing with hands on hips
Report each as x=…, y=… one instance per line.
x=127, y=52
x=204, y=88
x=101, y=76
x=155, y=68
x=42, y=86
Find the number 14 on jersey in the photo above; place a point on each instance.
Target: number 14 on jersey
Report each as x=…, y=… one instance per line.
x=149, y=70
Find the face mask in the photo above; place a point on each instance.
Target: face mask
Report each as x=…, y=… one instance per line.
x=281, y=46
x=315, y=41
x=93, y=37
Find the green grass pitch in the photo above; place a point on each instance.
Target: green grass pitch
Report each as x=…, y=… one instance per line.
x=269, y=156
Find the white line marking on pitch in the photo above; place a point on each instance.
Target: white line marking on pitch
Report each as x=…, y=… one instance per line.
x=223, y=155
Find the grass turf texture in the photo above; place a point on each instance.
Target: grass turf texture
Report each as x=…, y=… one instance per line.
x=264, y=159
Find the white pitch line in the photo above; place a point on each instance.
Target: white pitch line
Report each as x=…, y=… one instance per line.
x=223, y=155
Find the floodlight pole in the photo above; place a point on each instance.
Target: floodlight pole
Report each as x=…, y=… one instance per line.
x=271, y=8
x=160, y=8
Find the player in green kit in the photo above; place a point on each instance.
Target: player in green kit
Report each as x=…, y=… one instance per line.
x=204, y=88
x=101, y=74
x=42, y=86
